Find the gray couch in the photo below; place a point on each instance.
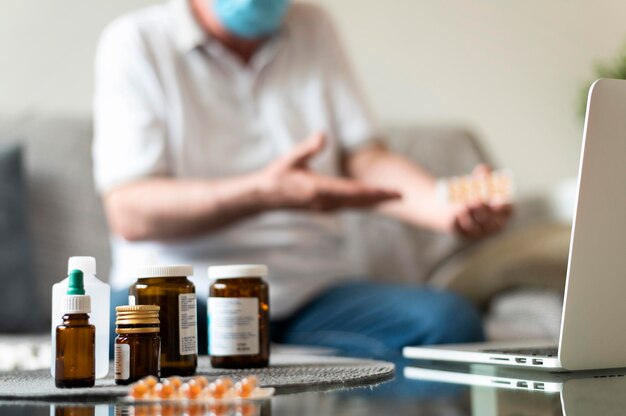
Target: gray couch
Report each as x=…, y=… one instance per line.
x=66, y=218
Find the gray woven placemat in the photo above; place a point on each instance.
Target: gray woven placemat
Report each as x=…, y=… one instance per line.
x=286, y=373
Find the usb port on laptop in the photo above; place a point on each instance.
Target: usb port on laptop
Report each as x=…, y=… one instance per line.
x=537, y=361
x=520, y=360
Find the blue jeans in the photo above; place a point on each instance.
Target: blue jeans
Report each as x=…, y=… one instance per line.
x=368, y=319
x=375, y=320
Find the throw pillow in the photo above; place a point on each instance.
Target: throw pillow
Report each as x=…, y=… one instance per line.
x=19, y=306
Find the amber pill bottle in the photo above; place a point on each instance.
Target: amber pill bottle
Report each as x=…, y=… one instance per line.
x=238, y=316
x=138, y=345
x=75, y=357
x=170, y=289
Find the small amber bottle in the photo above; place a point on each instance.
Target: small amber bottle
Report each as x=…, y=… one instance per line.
x=238, y=316
x=169, y=288
x=138, y=345
x=75, y=357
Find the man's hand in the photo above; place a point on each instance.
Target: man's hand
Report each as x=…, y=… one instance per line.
x=480, y=219
x=376, y=166
x=289, y=183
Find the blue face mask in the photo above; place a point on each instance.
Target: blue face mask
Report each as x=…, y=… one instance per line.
x=250, y=19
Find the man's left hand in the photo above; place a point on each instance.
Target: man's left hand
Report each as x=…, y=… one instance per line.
x=480, y=219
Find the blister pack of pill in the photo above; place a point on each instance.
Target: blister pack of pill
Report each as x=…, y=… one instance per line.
x=197, y=389
x=497, y=187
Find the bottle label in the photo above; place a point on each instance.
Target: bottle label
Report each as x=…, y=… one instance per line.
x=122, y=361
x=233, y=326
x=187, y=324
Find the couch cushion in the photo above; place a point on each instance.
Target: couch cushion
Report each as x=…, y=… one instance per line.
x=532, y=256
x=66, y=216
x=20, y=307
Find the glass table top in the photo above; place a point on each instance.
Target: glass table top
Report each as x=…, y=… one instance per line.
x=417, y=389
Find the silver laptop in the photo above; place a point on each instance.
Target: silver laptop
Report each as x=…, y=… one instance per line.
x=593, y=325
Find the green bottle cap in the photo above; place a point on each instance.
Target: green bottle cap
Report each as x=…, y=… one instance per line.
x=75, y=285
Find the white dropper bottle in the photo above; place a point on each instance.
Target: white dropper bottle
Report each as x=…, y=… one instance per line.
x=100, y=293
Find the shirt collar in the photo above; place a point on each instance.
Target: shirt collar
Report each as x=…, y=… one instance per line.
x=188, y=32
x=190, y=35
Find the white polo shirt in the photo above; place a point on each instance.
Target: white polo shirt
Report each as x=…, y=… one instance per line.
x=171, y=101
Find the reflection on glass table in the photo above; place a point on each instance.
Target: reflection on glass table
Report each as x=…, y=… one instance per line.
x=444, y=393
x=500, y=391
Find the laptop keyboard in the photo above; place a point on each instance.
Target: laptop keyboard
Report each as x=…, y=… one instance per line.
x=540, y=351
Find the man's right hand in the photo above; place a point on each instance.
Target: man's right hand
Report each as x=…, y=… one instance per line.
x=289, y=183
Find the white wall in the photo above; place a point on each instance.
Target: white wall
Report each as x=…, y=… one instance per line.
x=512, y=70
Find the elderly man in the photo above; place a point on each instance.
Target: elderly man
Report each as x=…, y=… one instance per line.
x=230, y=132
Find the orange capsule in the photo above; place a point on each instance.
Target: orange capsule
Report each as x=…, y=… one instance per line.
x=215, y=391
x=219, y=388
x=150, y=381
x=226, y=381
x=201, y=381
x=138, y=390
x=245, y=386
x=242, y=390
x=251, y=380
x=175, y=381
x=191, y=390
x=164, y=391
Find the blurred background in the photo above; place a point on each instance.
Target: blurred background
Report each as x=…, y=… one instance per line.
x=514, y=73
x=511, y=71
